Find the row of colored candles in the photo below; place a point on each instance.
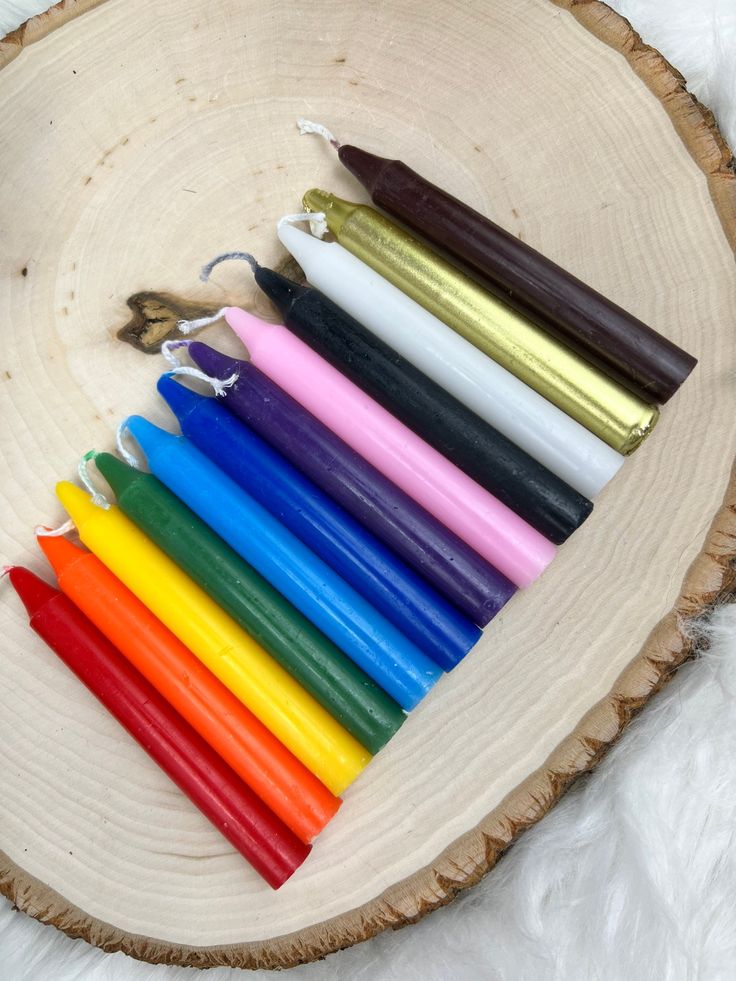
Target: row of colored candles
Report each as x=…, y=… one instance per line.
x=356, y=502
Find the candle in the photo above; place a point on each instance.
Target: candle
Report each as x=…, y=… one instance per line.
x=261, y=684
x=424, y=543
x=263, y=839
x=542, y=430
x=388, y=657
x=268, y=768
x=520, y=275
x=352, y=551
x=518, y=481
x=559, y=374
x=487, y=525
x=312, y=659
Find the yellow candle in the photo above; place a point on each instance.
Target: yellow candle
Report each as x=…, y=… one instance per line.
x=241, y=664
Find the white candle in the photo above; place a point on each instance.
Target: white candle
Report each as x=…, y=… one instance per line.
x=537, y=426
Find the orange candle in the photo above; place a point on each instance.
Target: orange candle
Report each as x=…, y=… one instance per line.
x=302, y=802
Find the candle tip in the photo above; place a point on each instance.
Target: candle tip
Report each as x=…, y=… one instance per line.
x=247, y=326
x=33, y=591
x=75, y=502
x=180, y=399
x=315, y=201
x=151, y=439
x=214, y=363
x=335, y=210
x=119, y=475
x=60, y=552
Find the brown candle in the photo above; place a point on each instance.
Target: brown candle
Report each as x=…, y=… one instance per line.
x=525, y=279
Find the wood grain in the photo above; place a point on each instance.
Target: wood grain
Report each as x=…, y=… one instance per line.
x=148, y=137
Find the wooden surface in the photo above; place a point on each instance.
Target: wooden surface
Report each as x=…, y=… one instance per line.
x=146, y=138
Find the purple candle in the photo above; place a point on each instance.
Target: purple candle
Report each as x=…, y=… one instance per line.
x=424, y=543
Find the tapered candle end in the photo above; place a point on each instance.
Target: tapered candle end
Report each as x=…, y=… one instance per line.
x=336, y=211
x=366, y=167
x=281, y=291
x=296, y=240
x=33, y=591
x=76, y=502
x=119, y=475
x=247, y=326
x=150, y=438
x=180, y=399
x=60, y=552
x=214, y=363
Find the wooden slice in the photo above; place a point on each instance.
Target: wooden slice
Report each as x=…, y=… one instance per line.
x=143, y=138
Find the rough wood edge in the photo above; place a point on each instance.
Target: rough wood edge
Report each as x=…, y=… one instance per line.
x=693, y=122
x=39, y=26
x=710, y=579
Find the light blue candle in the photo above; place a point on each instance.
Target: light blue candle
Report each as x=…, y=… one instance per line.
x=377, y=573
x=382, y=651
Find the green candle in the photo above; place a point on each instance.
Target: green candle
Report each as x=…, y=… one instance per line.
x=366, y=711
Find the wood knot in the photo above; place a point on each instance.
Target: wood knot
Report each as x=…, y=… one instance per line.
x=156, y=315
x=155, y=318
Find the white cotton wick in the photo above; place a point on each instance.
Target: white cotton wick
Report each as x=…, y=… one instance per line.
x=44, y=532
x=130, y=458
x=98, y=498
x=316, y=219
x=168, y=348
x=189, y=326
x=5, y=570
x=219, y=385
x=307, y=127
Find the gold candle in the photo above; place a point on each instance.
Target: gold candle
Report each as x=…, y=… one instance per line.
x=581, y=390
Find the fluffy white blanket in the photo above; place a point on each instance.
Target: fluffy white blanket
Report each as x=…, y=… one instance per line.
x=633, y=876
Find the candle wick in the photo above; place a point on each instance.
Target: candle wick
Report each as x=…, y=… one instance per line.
x=219, y=385
x=206, y=271
x=168, y=348
x=98, y=498
x=130, y=458
x=188, y=326
x=307, y=127
x=5, y=570
x=45, y=532
x=317, y=222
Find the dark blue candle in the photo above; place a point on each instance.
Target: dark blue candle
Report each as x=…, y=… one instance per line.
x=422, y=541
x=385, y=654
x=354, y=553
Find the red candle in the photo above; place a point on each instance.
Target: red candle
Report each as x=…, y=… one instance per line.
x=263, y=763
x=263, y=839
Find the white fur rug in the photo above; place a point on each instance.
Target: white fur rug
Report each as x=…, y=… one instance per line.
x=633, y=875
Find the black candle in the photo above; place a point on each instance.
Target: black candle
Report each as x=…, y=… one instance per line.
x=533, y=492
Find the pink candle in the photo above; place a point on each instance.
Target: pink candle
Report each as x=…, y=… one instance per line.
x=487, y=525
